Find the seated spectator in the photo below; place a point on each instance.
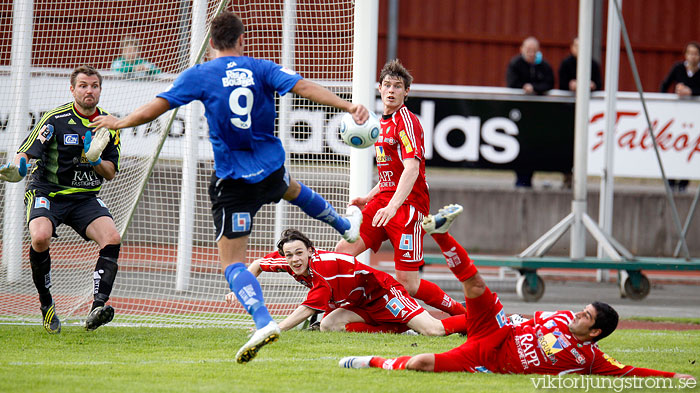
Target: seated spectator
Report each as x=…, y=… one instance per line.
x=567, y=71
x=687, y=80
x=130, y=64
x=528, y=71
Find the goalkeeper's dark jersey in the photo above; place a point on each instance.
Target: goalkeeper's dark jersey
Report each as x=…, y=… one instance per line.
x=61, y=167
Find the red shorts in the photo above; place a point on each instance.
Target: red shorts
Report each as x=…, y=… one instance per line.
x=397, y=307
x=488, y=329
x=404, y=231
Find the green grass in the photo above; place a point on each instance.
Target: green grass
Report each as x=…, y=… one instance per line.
x=122, y=359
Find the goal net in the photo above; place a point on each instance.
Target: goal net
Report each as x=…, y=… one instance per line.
x=169, y=273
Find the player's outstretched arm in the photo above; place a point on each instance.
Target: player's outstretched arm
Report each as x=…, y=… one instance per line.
x=16, y=170
x=299, y=315
x=255, y=268
x=321, y=95
x=142, y=115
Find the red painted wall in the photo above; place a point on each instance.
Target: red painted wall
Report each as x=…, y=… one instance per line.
x=470, y=42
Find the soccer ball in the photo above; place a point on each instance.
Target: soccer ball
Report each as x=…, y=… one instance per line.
x=359, y=135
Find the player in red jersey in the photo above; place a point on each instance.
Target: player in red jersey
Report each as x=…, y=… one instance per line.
x=561, y=342
x=354, y=296
x=394, y=209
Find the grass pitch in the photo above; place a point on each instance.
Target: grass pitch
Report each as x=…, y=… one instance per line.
x=127, y=359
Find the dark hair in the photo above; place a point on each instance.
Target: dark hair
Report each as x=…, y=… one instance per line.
x=290, y=235
x=84, y=69
x=226, y=29
x=692, y=43
x=395, y=69
x=606, y=319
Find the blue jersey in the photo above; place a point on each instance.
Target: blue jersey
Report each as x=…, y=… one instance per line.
x=238, y=94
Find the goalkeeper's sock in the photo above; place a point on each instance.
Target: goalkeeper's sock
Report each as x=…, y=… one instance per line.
x=361, y=327
x=315, y=206
x=249, y=293
x=105, y=274
x=434, y=296
x=456, y=256
x=398, y=363
x=41, y=274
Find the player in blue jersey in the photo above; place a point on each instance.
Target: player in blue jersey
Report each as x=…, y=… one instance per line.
x=238, y=93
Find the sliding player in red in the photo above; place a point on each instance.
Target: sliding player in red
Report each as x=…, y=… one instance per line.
x=355, y=297
x=561, y=342
x=394, y=209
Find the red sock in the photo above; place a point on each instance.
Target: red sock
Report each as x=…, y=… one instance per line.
x=433, y=295
x=455, y=324
x=456, y=256
x=361, y=327
x=389, y=364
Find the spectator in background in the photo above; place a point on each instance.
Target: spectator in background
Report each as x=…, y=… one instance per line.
x=530, y=72
x=687, y=80
x=130, y=64
x=567, y=71
x=685, y=73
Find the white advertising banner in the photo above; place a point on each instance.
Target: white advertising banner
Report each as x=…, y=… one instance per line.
x=121, y=97
x=676, y=124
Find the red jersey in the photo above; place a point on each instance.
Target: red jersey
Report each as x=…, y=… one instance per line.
x=401, y=139
x=541, y=345
x=335, y=280
x=544, y=345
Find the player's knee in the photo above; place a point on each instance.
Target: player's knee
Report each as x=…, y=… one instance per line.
x=330, y=325
x=423, y=362
x=292, y=191
x=474, y=286
x=113, y=238
x=343, y=247
x=41, y=237
x=410, y=283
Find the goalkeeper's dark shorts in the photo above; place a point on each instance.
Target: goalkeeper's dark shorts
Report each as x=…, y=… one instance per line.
x=73, y=210
x=234, y=202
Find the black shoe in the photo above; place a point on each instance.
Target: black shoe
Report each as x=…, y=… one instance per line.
x=99, y=316
x=51, y=322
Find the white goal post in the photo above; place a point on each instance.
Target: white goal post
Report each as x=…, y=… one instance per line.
x=169, y=274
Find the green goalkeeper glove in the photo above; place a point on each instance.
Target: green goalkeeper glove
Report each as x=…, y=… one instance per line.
x=94, y=146
x=13, y=173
